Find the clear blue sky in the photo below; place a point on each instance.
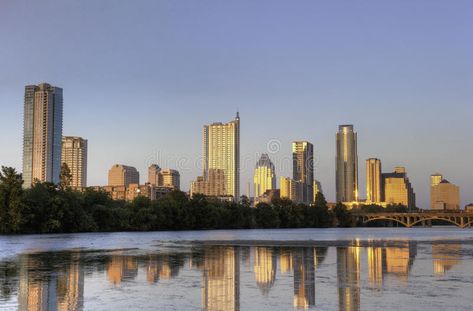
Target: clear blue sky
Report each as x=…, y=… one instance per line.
x=140, y=79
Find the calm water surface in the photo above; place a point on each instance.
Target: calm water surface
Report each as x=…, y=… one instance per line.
x=319, y=269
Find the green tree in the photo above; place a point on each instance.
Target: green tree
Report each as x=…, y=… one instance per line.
x=342, y=215
x=10, y=200
x=65, y=176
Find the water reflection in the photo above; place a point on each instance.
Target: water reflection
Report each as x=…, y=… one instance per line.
x=56, y=281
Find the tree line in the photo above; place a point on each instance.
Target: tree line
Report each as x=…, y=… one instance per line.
x=50, y=208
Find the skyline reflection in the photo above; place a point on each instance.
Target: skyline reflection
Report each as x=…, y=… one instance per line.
x=56, y=281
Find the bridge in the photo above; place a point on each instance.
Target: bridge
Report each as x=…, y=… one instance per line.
x=458, y=218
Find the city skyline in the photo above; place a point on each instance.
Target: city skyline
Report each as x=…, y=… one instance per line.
x=393, y=82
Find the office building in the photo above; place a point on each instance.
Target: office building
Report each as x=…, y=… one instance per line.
x=291, y=189
x=445, y=196
x=346, y=164
x=398, y=189
x=264, y=178
x=373, y=181
x=171, y=179
x=42, y=133
x=303, y=168
x=74, y=155
x=123, y=175
x=154, y=176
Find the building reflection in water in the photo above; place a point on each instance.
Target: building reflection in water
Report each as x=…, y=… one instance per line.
x=348, y=276
x=445, y=257
x=304, y=261
x=121, y=268
x=265, y=267
x=42, y=289
x=396, y=261
x=221, y=279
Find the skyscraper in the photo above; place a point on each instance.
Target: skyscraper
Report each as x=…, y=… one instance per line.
x=265, y=176
x=373, y=181
x=74, y=154
x=221, y=151
x=398, y=189
x=303, y=168
x=123, y=175
x=346, y=164
x=42, y=133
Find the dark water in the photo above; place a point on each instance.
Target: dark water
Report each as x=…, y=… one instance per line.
x=331, y=269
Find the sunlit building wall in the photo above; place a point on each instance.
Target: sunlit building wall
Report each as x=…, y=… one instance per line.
x=42, y=133
x=398, y=189
x=264, y=178
x=213, y=185
x=317, y=188
x=346, y=164
x=303, y=168
x=445, y=196
x=435, y=179
x=171, y=178
x=221, y=151
x=154, y=176
x=291, y=189
x=373, y=181
x=74, y=154
x=123, y=175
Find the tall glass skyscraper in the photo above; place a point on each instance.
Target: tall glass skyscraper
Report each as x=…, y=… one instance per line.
x=346, y=164
x=42, y=133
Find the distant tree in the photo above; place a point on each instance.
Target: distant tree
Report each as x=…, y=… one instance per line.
x=342, y=215
x=65, y=176
x=10, y=200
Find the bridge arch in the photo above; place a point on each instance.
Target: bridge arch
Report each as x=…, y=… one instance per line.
x=470, y=223
x=437, y=218
x=385, y=218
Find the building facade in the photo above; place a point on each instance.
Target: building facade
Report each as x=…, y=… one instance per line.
x=346, y=164
x=435, y=179
x=221, y=155
x=373, y=181
x=303, y=168
x=445, y=196
x=74, y=155
x=123, y=175
x=398, y=189
x=171, y=179
x=42, y=133
x=264, y=178
x=154, y=176
x=291, y=189
x=212, y=186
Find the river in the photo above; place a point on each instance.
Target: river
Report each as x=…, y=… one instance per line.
x=292, y=269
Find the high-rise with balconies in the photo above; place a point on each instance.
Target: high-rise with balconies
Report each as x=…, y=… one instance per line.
x=74, y=155
x=373, y=181
x=303, y=168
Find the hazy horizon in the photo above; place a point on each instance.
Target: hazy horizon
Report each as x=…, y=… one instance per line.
x=141, y=79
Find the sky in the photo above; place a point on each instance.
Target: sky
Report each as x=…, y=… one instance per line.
x=142, y=77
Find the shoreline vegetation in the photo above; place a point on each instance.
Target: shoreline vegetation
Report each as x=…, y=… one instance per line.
x=51, y=208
